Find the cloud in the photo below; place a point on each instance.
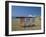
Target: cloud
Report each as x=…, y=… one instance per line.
x=31, y=15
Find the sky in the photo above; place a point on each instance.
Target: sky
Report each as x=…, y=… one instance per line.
x=25, y=11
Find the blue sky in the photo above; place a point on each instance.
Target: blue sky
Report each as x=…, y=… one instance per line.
x=25, y=11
